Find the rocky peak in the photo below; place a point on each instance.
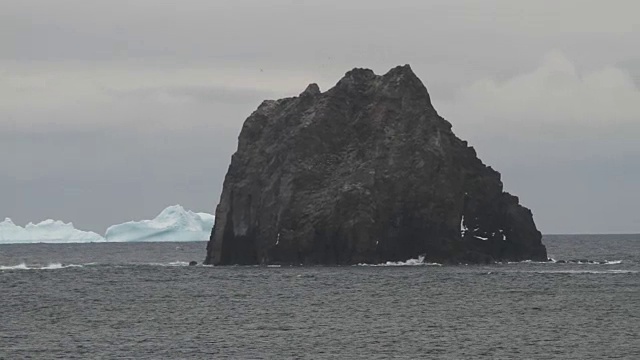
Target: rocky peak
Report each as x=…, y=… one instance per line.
x=403, y=76
x=311, y=90
x=364, y=172
x=399, y=83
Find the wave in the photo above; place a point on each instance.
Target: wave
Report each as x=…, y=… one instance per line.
x=586, y=272
x=22, y=266
x=57, y=265
x=172, y=263
x=614, y=262
x=52, y=266
x=411, y=262
x=573, y=262
x=551, y=261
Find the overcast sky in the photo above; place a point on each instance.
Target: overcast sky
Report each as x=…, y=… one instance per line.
x=112, y=110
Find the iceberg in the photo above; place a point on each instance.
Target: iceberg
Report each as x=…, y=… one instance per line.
x=48, y=231
x=172, y=224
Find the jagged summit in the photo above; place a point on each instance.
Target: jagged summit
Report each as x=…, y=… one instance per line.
x=311, y=90
x=399, y=75
x=399, y=82
x=366, y=171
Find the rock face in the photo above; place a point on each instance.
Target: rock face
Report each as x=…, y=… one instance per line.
x=365, y=172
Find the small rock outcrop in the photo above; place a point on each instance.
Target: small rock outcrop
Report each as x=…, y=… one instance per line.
x=365, y=172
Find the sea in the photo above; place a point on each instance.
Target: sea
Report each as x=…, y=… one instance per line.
x=144, y=301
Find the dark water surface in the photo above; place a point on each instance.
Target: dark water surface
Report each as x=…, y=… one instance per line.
x=102, y=301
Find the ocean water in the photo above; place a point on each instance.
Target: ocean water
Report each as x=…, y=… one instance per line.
x=142, y=301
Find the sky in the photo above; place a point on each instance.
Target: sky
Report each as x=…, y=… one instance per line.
x=113, y=110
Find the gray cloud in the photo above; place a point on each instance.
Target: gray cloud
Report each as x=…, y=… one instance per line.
x=104, y=177
x=565, y=141
x=112, y=110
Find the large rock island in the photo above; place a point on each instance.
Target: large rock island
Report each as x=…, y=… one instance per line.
x=365, y=172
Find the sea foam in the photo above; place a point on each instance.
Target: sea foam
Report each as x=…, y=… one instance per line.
x=51, y=266
x=410, y=262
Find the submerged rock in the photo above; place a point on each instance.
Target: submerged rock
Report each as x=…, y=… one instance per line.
x=366, y=172
x=193, y=263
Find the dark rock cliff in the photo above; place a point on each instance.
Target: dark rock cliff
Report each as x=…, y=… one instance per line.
x=365, y=172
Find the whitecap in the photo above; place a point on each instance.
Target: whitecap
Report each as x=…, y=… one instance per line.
x=51, y=266
x=21, y=266
x=173, y=263
x=612, y=262
x=178, y=263
x=569, y=262
x=578, y=272
x=411, y=262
